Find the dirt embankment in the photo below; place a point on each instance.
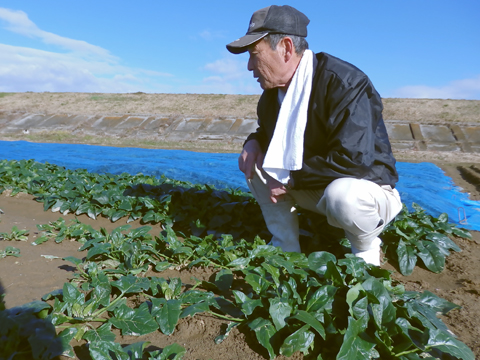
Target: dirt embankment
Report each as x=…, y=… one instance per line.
x=418, y=110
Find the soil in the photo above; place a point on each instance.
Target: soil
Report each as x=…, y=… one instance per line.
x=32, y=275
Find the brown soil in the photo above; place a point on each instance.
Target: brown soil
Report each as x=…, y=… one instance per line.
x=30, y=276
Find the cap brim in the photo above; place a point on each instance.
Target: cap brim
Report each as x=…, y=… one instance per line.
x=240, y=45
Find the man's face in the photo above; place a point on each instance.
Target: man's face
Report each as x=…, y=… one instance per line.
x=267, y=65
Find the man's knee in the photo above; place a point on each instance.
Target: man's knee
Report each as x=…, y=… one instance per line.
x=346, y=201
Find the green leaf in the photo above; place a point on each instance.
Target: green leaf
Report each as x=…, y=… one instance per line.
x=321, y=299
x=264, y=330
x=317, y=261
x=195, y=309
x=224, y=279
x=300, y=340
x=170, y=352
x=258, y=283
x=66, y=336
x=247, y=304
x=162, y=266
x=436, y=303
x=135, y=350
x=134, y=321
x=98, y=249
x=443, y=241
x=131, y=284
x=102, y=333
x=462, y=233
x=168, y=316
x=432, y=257
x=309, y=319
x=101, y=350
x=118, y=215
x=407, y=258
x=333, y=273
x=355, y=347
x=279, y=310
x=220, y=338
x=384, y=312
x=448, y=344
x=72, y=295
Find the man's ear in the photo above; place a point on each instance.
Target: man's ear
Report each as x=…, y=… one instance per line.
x=288, y=48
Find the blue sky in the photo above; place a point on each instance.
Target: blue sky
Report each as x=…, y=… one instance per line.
x=409, y=48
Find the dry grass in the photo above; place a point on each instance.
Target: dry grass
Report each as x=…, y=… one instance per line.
x=217, y=105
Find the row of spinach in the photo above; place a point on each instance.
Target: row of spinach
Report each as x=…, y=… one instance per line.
x=316, y=304
x=203, y=210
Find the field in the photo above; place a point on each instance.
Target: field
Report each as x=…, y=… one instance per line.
x=30, y=276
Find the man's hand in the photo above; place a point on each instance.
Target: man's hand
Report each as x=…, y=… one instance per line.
x=277, y=190
x=251, y=154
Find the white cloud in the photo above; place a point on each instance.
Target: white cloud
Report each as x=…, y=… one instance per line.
x=18, y=22
x=26, y=69
x=460, y=89
x=211, y=35
x=84, y=68
x=230, y=76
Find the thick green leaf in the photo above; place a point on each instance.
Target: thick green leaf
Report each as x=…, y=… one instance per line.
x=258, y=283
x=318, y=261
x=101, y=350
x=437, y=304
x=310, y=320
x=134, y=321
x=432, y=257
x=279, y=310
x=98, y=249
x=224, y=279
x=247, y=304
x=220, y=338
x=72, y=295
x=170, y=352
x=407, y=258
x=264, y=330
x=384, y=312
x=355, y=347
x=131, y=284
x=102, y=333
x=135, y=350
x=321, y=299
x=195, y=309
x=300, y=340
x=168, y=316
x=443, y=241
x=448, y=344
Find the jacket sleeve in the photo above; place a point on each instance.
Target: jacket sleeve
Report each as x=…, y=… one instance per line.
x=351, y=111
x=261, y=134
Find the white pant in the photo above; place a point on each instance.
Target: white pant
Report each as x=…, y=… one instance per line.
x=360, y=207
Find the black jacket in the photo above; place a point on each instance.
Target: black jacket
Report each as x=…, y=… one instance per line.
x=345, y=134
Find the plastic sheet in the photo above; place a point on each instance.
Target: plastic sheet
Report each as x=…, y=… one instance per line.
x=422, y=183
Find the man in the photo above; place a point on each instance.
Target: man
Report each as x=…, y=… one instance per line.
x=321, y=142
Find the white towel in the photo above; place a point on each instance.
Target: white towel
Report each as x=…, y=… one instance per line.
x=285, y=152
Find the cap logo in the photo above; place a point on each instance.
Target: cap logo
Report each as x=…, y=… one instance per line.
x=252, y=25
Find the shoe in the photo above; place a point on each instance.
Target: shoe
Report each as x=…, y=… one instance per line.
x=372, y=255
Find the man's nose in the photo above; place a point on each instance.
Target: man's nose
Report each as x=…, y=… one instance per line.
x=250, y=65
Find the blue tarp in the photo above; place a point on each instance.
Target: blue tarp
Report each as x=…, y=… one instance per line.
x=422, y=183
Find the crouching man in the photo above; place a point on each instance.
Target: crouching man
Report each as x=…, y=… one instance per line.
x=321, y=143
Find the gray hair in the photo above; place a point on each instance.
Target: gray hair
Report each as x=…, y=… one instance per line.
x=299, y=42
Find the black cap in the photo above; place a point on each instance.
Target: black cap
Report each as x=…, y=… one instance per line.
x=271, y=20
